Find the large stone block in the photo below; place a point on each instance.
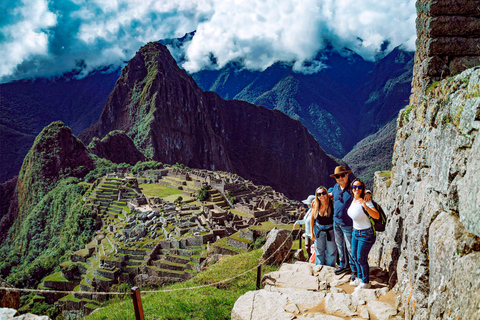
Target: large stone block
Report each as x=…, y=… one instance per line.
x=453, y=46
x=452, y=26
x=448, y=7
x=261, y=304
x=459, y=64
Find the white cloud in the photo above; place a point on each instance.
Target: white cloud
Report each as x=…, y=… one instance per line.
x=27, y=37
x=262, y=32
x=49, y=38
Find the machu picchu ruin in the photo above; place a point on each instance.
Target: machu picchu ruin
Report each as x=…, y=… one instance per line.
x=158, y=228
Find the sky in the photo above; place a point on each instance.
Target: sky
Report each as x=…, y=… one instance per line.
x=47, y=38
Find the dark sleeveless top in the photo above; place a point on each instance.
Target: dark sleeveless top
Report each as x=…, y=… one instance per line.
x=325, y=220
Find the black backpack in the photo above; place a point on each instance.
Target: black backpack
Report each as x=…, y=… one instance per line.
x=377, y=224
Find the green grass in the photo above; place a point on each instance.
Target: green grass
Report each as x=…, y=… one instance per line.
x=267, y=226
x=157, y=190
x=203, y=303
x=240, y=213
x=57, y=276
x=386, y=173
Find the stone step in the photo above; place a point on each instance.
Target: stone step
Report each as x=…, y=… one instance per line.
x=164, y=264
x=176, y=259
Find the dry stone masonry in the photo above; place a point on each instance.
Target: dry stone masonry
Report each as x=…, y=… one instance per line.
x=448, y=41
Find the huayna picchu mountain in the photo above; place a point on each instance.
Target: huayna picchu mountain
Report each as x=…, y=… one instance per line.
x=170, y=119
x=45, y=217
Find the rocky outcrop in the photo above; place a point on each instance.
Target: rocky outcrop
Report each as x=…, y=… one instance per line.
x=277, y=246
x=116, y=147
x=287, y=297
x=170, y=119
x=431, y=246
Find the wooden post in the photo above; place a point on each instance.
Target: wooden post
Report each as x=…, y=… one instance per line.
x=137, y=304
x=259, y=276
x=300, y=239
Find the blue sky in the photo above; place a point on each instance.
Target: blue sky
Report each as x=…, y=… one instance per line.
x=41, y=38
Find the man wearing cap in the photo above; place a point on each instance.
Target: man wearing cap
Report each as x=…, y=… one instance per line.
x=342, y=223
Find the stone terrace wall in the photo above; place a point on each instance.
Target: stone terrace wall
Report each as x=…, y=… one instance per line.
x=448, y=41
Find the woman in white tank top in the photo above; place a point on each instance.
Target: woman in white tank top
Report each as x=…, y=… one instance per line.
x=363, y=236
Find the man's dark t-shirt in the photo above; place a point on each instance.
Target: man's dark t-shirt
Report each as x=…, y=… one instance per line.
x=342, y=200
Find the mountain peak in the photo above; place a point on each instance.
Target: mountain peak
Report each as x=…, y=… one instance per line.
x=170, y=119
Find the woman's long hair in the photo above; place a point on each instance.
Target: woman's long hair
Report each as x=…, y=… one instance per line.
x=316, y=204
x=362, y=194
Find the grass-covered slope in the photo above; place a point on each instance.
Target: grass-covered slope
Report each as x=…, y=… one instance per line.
x=215, y=302
x=58, y=225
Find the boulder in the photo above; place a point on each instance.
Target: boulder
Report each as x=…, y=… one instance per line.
x=7, y=313
x=139, y=231
x=290, y=279
x=381, y=310
x=260, y=305
x=277, y=246
x=317, y=316
x=341, y=304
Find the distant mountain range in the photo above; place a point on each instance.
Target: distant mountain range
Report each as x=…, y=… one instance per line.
x=344, y=102
x=170, y=119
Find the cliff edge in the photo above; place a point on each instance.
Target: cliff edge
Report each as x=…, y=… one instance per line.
x=431, y=246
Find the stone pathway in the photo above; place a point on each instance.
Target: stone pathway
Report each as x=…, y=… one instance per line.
x=305, y=291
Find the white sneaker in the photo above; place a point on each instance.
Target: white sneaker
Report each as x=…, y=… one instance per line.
x=355, y=282
x=362, y=285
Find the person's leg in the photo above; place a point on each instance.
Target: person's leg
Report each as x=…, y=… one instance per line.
x=365, y=243
x=340, y=242
x=321, y=247
x=355, y=252
x=331, y=249
x=316, y=231
x=347, y=233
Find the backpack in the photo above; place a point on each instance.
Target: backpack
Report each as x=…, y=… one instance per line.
x=377, y=224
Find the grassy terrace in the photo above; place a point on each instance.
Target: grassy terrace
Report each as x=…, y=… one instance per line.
x=222, y=243
x=203, y=303
x=57, y=276
x=267, y=226
x=240, y=213
x=157, y=190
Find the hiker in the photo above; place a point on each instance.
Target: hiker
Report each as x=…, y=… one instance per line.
x=306, y=218
x=342, y=223
x=363, y=236
x=306, y=221
x=321, y=225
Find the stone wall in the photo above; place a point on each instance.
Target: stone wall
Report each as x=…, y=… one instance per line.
x=448, y=40
x=431, y=246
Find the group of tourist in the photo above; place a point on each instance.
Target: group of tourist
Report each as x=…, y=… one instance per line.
x=338, y=223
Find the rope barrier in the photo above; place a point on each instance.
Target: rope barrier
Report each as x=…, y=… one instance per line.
x=156, y=291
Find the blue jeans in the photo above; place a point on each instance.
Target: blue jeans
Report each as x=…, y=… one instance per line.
x=343, y=238
x=362, y=242
x=325, y=251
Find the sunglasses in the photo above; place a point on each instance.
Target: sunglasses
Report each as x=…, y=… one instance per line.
x=357, y=187
x=323, y=193
x=337, y=176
